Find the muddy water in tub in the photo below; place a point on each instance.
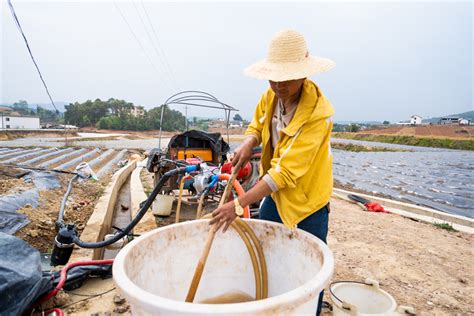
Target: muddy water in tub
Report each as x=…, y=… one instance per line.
x=229, y=298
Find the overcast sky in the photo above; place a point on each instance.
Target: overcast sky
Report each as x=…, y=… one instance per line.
x=393, y=59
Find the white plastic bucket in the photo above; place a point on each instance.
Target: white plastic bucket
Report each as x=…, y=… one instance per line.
x=162, y=205
x=357, y=298
x=154, y=271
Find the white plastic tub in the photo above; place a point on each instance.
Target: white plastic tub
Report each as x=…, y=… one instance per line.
x=154, y=272
x=357, y=298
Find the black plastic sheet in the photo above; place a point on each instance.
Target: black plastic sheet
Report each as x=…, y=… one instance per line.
x=21, y=278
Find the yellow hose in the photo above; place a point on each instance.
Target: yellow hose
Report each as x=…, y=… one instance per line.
x=253, y=258
x=259, y=265
x=261, y=255
x=199, y=209
x=250, y=240
x=178, y=207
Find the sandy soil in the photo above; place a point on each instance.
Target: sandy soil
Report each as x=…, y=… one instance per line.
x=10, y=185
x=442, y=131
x=44, y=133
x=232, y=131
x=40, y=232
x=419, y=264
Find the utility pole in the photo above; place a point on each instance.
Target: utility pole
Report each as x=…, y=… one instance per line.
x=186, y=118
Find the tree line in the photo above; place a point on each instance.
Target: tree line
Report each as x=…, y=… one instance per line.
x=122, y=115
x=23, y=108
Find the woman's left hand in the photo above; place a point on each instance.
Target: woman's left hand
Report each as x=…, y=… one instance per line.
x=223, y=215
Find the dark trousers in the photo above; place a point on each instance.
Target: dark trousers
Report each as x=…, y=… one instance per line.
x=316, y=224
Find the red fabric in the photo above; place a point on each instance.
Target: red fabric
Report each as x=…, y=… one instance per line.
x=375, y=207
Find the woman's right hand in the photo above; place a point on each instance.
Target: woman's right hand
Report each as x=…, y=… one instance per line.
x=243, y=153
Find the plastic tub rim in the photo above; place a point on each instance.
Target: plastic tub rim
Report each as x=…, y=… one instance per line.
x=339, y=302
x=299, y=294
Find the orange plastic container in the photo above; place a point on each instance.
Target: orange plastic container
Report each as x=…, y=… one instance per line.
x=203, y=153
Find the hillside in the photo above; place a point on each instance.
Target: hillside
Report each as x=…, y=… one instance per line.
x=437, y=131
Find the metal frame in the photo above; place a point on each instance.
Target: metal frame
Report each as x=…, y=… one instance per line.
x=203, y=99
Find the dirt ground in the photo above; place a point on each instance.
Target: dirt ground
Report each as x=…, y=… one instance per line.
x=40, y=232
x=443, y=131
x=9, y=135
x=419, y=264
x=10, y=185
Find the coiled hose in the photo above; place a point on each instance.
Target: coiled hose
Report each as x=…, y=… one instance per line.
x=250, y=239
x=257, y=256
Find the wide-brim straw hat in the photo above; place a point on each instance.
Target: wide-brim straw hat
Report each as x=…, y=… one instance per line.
x=288, y=59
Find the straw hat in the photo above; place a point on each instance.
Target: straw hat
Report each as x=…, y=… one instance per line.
x=288, y=59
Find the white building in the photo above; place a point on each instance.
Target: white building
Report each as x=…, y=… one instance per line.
x=138, y=111
x=463, y=121
x=449, y=120
x=8, y=121
x=415, y=120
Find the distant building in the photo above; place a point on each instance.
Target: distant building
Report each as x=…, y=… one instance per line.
x=12, y=121
x=463, y=121
x=449, y=120
x=235, y=124
x=138, y=111
x=220, y=123
x=416, y=120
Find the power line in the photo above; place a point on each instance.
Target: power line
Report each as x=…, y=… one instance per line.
x=149, y=37
x=136, y=38
x=18, y=25
x=158, y=42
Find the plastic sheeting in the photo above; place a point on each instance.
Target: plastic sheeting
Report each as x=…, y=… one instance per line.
x=10, y=220
x=102, y=157
x=105, y=169
x=21, y=278
x=42, y=157
x=61, y=158
x=27, y=155
x=77, y=160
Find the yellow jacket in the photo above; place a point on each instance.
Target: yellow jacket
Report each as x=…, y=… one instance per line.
x=301, y=165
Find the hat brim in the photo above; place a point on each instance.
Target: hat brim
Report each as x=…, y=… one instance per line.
x=289, y=71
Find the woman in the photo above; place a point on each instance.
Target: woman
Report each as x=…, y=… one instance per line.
x=293, y=122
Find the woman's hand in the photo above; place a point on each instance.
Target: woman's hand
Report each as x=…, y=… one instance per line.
x=243, y=153
x=224, y=215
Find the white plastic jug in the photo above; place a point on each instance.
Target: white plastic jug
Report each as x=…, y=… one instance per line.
x=162, y=205
x=155, y=270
